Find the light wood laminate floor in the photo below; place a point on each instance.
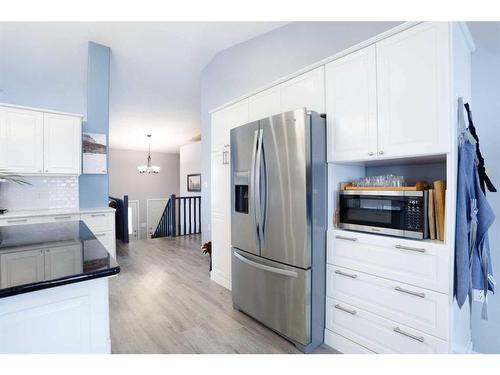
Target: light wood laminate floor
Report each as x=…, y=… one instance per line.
x=164, y=302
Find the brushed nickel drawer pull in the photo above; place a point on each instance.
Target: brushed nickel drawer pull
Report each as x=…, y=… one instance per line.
x=402, y=290
x=99, y=234
x=97, y=215
x=401, y=332
x=346, y=238
x=17, y=221
x=62, y=217
x=417, y=249
x=351, y=275
x=352, y=312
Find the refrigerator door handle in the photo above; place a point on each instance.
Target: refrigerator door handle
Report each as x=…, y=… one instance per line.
x=265, y=193
x=257, y=192
x=253, y=186
x=264, y=267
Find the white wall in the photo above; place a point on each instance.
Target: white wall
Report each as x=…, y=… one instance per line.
x=486, y=116
x=189, y=163
x=124, y=178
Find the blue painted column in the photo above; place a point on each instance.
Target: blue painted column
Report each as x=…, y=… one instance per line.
x=94, y=188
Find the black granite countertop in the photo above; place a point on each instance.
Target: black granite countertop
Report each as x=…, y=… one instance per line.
x=41, y=256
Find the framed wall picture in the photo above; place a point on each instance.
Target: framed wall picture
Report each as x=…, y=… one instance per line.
x=194, y=182
x=95, y=153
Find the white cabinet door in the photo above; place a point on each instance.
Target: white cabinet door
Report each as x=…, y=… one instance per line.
x=21, y=140
x=221, y=250
x=63, y=261
x=23, y=267
x=306, y=90
x=265, y=104
x=413, y=83
x=221, y=220
x=222, y=122
x=62, y=144
x=351, y=106
x=221, y=181
x=226, y=119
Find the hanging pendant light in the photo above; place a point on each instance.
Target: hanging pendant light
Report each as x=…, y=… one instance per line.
x=148, y=168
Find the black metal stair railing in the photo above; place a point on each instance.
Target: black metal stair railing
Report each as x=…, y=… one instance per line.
x=181, y=216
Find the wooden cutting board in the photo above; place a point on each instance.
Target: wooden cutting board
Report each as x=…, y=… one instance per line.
x=439, y=205
x=421, y=185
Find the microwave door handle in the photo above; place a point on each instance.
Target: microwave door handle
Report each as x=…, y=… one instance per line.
x=253, y=186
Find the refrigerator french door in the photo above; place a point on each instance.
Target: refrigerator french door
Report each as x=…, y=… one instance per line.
x=278, y=223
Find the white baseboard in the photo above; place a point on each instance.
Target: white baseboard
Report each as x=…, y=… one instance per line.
x=217, y=277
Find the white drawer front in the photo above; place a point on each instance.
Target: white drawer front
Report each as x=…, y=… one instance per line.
x=57, y=218
x=343, y=345
x=22, y=221
x=379, y=334
x=415, y=307
x=107, y=240
x=418, y=263
x=99, y=222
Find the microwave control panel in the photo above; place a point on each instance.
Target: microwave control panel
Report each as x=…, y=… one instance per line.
x=415, y=211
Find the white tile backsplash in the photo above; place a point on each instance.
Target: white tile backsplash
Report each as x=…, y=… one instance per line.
x=43, y=193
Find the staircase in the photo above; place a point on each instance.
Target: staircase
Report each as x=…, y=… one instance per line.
x=181, y=216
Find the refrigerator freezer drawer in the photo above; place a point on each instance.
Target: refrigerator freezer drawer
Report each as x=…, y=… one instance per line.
x=278, y=296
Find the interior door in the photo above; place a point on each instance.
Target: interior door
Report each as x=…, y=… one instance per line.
x=244, y=233
x=284, y=189
x=133, y=219
x=155, y=210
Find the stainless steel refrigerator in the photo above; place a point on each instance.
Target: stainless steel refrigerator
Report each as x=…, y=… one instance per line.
x=278, y=224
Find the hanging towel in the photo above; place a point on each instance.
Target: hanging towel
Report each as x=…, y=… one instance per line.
x=474, y=217
x=483, y=176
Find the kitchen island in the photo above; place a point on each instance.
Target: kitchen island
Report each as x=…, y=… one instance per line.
x=54, y=289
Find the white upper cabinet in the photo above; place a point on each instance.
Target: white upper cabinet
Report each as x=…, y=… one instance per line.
x=306, y=90
x=37, y=142
x=226, y=119
x=21, y=140
x=264, y=104
x=413, y=85
x=351, y=102
x=62, y=144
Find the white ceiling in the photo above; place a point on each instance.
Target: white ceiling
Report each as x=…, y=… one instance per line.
x=155, y=72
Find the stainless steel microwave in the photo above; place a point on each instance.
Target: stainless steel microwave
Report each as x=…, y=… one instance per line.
x=392, y=213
